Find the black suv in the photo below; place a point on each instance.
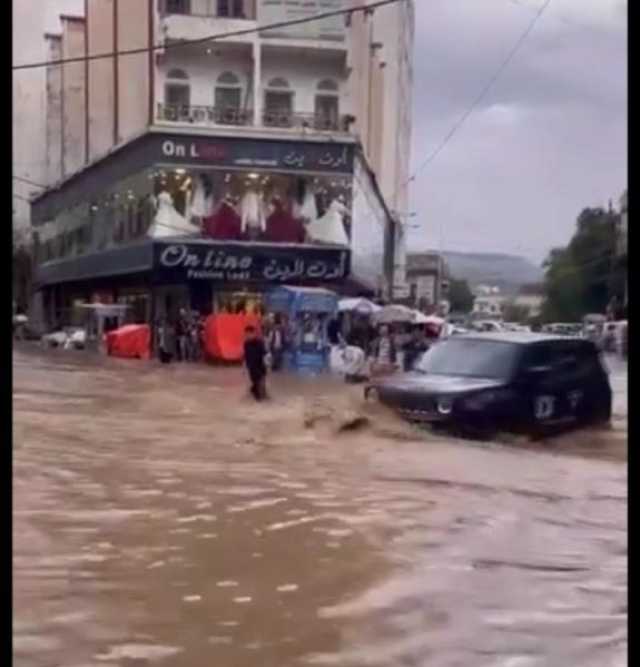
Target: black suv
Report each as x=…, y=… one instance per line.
x=484, y=383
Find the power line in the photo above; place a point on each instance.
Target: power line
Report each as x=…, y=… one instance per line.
x=17, y=196
x=487, y=87
x=29, y=182
x=369, y=8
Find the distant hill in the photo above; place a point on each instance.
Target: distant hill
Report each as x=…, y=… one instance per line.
x=508, y=272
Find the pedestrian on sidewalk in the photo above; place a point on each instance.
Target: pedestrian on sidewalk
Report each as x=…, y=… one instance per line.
x=254, y=359
x=275, y=343
x=182, y=335
x=166, y=341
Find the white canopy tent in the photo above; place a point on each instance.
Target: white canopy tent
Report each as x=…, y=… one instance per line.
x=394, y=313
x=360, y=305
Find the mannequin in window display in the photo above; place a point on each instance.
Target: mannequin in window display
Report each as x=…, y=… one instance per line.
x=167, y=221
x=201, y=202
x=330, y=227
x=253, y=223
x=304, y=203
x=282, y=227
x=225, y=223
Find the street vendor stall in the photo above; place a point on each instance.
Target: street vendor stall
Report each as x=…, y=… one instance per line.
x=306, y=312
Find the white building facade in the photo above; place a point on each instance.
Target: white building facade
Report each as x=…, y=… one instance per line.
x=277, y=114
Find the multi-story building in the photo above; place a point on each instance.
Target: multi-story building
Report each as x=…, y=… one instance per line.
x=488, y=302
x=192, y=172
x=381, y=61
x=31, y=19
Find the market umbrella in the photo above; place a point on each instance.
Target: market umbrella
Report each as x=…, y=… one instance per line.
x=394, y=313
x=420, y=318
x=361, y=305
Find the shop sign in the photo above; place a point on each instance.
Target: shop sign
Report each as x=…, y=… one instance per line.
x=257, y=154
x=237, y=262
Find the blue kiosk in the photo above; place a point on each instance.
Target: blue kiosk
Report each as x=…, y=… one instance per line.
x=306, y=312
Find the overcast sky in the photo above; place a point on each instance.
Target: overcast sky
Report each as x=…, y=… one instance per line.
x=549, y=138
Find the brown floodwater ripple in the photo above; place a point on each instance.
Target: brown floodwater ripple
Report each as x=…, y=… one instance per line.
x=162, y=518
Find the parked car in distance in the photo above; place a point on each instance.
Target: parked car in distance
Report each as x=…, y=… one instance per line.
x=480, y=384
x=487, y=326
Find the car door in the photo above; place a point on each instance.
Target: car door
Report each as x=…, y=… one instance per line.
x=544, y=385
x=572, y=373
x=592, y=394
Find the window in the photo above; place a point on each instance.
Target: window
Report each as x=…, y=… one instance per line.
x=177, y=96
x=231, y=8
x=470, y=358
x=178, y=6
x=227, y=99
x=278, y=103
x=326, y=112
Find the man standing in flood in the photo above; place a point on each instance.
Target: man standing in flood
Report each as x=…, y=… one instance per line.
x=254, y=354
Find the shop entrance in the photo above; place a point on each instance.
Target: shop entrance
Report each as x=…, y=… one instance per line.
x=201, y=297
x=241, y=302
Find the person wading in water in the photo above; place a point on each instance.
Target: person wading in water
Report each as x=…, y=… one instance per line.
x=254, y=354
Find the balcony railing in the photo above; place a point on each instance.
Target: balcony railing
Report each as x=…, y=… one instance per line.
x=202, y=115
x=294, y=120
x=231, y=9
x=299, y=121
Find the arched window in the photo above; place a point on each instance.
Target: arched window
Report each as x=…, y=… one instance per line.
x=228, y=79
x=177, y=96
x=328, y=84
x=178, y=74
x=278, y=103
x=327, y=112
x=278, y=82
x=228, y=99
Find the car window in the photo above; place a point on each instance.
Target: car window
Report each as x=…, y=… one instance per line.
x=539, y=356
x=588, y=361
x=469, y=357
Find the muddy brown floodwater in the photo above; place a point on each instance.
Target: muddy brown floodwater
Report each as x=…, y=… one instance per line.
x=161, y=518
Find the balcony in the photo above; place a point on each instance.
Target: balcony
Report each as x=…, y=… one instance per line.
x=243, y=10
x=206, y=116
x=296, y=120
x=203, y=115
x=198, y=19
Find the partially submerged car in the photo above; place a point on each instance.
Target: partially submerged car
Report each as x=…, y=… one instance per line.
x=480, y=384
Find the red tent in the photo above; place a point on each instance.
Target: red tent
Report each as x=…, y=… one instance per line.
x=224, y=335
x=132, y=341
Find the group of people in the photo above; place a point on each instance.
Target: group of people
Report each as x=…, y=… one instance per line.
x=181, y=339
x=384, y=349
x=365, y=351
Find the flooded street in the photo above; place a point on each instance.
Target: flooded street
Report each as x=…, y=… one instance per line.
x=162, y=518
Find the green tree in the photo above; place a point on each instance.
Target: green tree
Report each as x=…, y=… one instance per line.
x=460, y=296
x=583, y=277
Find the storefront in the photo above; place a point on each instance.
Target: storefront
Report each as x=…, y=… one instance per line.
x=171, y=220
x=158, y=277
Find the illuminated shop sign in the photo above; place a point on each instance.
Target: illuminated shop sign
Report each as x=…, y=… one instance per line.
x=229, y=262
x=256, y=154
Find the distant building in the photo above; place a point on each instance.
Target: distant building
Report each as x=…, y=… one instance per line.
x=427, y=277
x=489, y=306
x=530, y=297
x=623, y=232
x=623, y=229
